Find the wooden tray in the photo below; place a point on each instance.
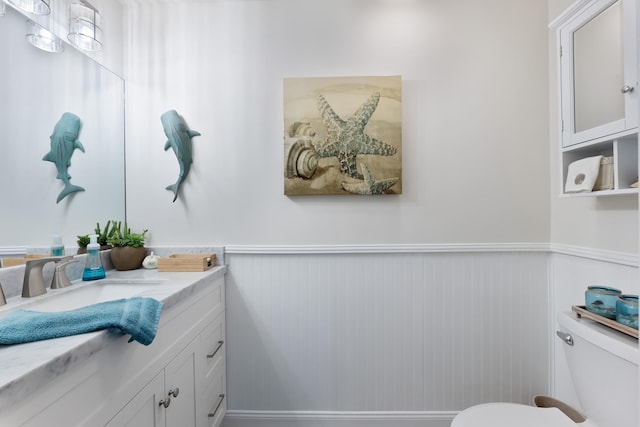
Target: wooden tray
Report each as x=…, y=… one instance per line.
x=581, y=311
x=187, y=262
x=11, y=262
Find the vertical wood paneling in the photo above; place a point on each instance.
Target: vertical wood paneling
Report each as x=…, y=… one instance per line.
x=386, y=332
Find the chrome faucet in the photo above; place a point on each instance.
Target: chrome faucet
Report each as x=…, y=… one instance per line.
x=33, y=284
x=60, y=279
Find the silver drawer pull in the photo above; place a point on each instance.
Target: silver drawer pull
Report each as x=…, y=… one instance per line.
x=209, y=356
x=174, y=392
x=215, y=411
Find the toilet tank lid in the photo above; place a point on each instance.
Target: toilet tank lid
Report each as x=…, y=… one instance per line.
x=608, y=339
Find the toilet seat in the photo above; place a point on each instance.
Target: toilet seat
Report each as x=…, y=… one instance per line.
x=513, y=414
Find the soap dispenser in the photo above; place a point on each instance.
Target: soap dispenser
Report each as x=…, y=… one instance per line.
x=93, y=269
x=57, y=248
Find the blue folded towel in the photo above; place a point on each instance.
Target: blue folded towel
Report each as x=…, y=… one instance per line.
x=136, y=316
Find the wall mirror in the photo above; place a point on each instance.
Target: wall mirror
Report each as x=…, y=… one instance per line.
x=36, y=88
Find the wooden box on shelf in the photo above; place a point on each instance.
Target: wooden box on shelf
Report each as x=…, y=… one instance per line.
x=605, y=176
x=187, y=262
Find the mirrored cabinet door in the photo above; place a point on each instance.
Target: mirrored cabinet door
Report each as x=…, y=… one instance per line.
x=597, y=98
x=598, y=70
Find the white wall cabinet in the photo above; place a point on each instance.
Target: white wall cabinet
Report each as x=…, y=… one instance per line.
x=598, y=74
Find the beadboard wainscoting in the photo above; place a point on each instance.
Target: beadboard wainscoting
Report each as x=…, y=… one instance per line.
x=374, y=338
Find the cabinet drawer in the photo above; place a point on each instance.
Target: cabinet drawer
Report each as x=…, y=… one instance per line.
x=215, y=400
x=213, y=346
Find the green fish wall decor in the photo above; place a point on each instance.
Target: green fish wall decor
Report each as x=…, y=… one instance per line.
x=179, y=139
x=64, y=140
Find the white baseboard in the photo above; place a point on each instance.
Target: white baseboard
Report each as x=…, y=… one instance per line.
x=337, y=419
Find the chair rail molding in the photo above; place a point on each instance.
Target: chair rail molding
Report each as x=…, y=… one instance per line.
x=596, y=254
x=387, y=248
x=579, y=251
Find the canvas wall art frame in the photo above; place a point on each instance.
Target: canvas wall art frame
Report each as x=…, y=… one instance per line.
x=343, y=135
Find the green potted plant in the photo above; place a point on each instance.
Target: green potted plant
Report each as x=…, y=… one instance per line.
x=103, y=235
x=127, y=248
x=83, y=241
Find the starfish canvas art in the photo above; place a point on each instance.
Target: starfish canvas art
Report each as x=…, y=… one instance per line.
x=343, y=135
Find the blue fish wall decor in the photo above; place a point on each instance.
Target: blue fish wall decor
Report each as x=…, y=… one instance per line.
x=179, y=139
x=64, y=140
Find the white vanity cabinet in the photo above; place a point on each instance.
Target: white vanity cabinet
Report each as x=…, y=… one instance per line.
x=178, y=380
x=190, y=390
x=169, y=399
x=598, y=76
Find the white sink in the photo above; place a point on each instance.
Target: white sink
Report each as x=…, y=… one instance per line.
x=82, y=294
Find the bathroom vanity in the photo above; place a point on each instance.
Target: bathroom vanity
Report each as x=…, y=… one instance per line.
x=100, y=378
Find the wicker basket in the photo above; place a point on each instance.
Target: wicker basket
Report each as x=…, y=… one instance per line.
x=605, y=176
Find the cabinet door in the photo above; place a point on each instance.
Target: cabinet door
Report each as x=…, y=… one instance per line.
x=143, y=410
x=598, y=70
x=180, y=386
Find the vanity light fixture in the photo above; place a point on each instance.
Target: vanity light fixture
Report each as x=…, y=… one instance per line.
x=43, y=39
x=84, y=26
x=36, y=7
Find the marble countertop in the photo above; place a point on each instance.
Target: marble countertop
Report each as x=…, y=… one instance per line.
x=25, y=367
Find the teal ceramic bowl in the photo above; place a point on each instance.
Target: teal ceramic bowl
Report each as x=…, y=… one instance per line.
x=627, y=310
x=602, y=300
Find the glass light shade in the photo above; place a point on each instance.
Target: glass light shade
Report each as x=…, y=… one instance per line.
x=43, y=39
x=37, y=7
x=84, y=27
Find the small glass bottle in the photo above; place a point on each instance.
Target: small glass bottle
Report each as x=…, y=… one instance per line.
x=93, y=269
x=57, y=248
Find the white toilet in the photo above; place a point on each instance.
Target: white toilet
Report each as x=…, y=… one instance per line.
x=604, y=369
